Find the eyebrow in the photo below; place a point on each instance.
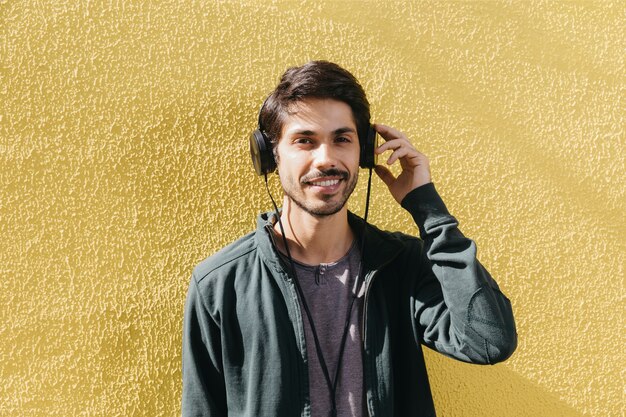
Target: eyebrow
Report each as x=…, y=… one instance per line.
x=335, y=132
x=343, y=130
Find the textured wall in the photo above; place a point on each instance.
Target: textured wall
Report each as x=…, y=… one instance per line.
x=123, y=162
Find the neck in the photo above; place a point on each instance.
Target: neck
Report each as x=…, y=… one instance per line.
x=314, y=239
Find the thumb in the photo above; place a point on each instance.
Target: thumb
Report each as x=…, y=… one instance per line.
x=384, y=174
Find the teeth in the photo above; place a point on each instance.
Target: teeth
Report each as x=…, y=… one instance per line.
x=327, y=183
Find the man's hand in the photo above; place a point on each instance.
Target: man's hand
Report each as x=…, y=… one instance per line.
x=415, y=165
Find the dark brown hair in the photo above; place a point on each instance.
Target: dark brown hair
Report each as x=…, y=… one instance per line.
x=315, y=79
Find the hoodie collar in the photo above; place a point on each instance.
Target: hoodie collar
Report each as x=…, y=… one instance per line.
x=380, y=247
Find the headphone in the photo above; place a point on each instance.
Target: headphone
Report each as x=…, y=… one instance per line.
x=264, y=163
x=263, y=156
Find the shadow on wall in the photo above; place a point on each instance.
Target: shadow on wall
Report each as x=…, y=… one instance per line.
x=478, y=391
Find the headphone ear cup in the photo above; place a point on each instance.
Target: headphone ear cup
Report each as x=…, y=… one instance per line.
x=261, y=153
x=368, y=144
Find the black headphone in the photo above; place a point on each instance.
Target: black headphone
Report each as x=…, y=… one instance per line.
x=264, y=163
x=263, y=156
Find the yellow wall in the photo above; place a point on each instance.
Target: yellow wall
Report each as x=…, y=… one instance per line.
x=124, y=162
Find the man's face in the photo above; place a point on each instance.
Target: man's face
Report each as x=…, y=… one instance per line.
x=318, y=155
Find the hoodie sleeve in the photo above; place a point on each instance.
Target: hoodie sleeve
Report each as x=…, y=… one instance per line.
x=203, y=382
x=459, y=309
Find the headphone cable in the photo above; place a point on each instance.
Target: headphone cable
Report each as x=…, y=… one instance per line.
x=332, y=385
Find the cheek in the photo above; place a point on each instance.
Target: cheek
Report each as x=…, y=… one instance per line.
x=354, y=159
x=292, y=162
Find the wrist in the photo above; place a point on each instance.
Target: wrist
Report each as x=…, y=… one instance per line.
x=424, y=203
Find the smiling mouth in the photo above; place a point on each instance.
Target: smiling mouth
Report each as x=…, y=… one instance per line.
x=325, y=183
x=325, y=178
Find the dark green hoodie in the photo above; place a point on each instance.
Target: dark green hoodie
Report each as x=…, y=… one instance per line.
x=244, y=351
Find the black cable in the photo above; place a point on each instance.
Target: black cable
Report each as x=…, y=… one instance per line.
x=332, y=385
x=307, y=311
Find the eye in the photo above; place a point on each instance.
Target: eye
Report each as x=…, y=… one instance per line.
x=303, y=141
x=343, y=139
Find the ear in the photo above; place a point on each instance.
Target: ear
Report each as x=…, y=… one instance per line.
x=276, y=156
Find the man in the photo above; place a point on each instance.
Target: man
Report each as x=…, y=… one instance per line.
x=321, y=314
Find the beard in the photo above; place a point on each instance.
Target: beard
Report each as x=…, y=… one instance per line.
x=329, y=204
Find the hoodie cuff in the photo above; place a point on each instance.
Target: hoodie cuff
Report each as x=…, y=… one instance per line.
x=425, y=205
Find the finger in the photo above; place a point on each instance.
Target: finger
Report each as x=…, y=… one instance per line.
x=400, y=153
x=394, y=144
x=384, y=174
x=387, y=132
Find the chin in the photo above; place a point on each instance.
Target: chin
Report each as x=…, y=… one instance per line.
x=320, y=210
x=325, y=212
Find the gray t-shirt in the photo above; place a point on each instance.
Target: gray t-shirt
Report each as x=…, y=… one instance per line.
x=328, y=289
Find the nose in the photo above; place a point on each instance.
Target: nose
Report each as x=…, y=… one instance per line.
x=324, y=156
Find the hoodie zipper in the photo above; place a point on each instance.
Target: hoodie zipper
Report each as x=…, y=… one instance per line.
x=364, y=315
x=365, y=298
x=368, y=285
x=287, y=280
